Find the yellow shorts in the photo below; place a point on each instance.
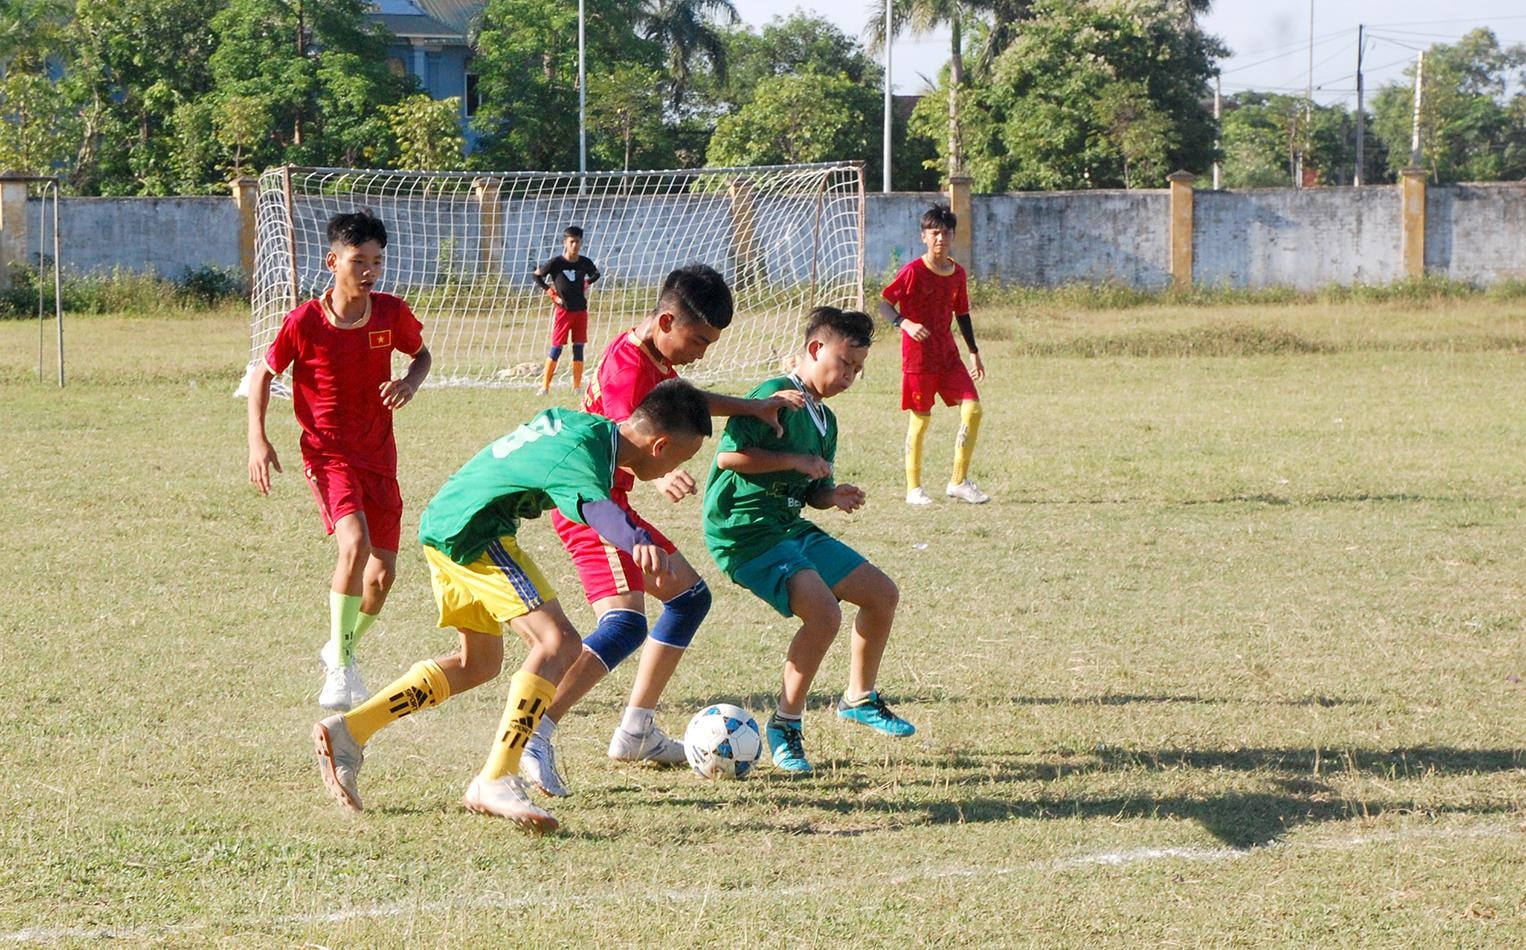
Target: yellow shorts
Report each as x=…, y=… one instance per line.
x=494, y=589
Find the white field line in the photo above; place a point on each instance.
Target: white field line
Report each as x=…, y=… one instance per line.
x=1099, y=858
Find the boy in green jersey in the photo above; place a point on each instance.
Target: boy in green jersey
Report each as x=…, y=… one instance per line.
x=758, y=487
x=560, y=459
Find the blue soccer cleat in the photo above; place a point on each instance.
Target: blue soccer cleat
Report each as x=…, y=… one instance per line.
x=871, y=711
x=787, y=745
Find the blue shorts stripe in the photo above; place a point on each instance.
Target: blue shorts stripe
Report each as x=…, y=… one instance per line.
x=521, y=582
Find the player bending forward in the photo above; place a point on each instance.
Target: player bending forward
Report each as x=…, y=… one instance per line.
x=758, y=487
x=560, y=459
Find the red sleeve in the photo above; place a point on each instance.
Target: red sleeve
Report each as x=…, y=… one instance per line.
x=899, y=288
x=287, y=344
x=408, y=337
x=961, y=292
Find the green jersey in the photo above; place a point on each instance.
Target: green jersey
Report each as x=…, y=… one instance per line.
x=745, y=515
x=560, y=459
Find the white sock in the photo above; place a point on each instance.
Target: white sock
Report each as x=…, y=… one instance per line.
x=637, y=721
x=784, y=716
x=545, y=727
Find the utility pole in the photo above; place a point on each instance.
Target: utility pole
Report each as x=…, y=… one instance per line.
x=1216, y=128
x=1308, y=103
x=1361, y=138
x=582, y=104
x=1414, y=137
x=887, y=96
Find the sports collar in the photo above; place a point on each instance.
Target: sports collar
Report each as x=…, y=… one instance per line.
x=812, y=405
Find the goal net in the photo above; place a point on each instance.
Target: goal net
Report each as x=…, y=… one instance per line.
x=462, y=246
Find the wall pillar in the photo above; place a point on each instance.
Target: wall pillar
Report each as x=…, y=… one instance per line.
x=488, y=192
x=1412, y=222
x=963, y=249
x=13, y=228
x=246, y=192
x=1180, y=242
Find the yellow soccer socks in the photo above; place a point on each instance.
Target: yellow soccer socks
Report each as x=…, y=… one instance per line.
x=916, y=435
x=529, y=696
x=344, y=610
x=964, y=442
x=422, y=687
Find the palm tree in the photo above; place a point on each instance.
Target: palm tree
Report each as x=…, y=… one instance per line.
x=684, y=29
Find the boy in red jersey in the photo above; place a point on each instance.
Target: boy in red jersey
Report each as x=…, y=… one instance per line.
x=339, y=348
x=570, y=274
x=919, y=302
x=693, y=307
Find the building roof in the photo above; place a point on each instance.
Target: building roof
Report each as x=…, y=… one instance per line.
x=406, y=20
x=461, y=15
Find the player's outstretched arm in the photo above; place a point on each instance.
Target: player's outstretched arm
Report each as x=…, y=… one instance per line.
x=262, y=455
x=677, y=485
x=847, y=498
x=614, y=526
x=765, y=461
x=766, y=410
x=397, y=393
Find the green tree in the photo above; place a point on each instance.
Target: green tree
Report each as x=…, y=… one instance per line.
x=1469, y=129
x=803, y=118
x=428, y=133
x=36, y=129
x=1261, y=133
x=621, y=104
x=785, y=46
x=686, y=32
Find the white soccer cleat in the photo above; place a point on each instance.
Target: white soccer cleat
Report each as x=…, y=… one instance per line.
x=966, y=491
x=508, y=797
x=343, y=689
x=651, y=746
x=339, y=760
x=538, y=766
x=918, y=497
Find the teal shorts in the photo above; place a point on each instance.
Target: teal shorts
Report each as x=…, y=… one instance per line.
x=768, y=574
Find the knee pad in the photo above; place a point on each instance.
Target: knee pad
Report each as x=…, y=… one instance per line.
x=617, y=636
x=577, y=352
x=555, y=354
x=682, y=616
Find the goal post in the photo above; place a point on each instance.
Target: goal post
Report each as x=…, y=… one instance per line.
x=462, y=246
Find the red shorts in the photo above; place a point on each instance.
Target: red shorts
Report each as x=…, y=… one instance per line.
x=603, y=569
x=344, y=490
x=569, y=323
x=954, y=385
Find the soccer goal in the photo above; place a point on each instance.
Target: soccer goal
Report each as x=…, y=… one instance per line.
x=462, y=247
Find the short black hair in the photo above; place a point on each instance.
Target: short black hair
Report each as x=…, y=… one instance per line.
x=697, y=293
x=572, y=230
x=356, y=228
x=674, y=407
x=851, y=325
x=939, y=216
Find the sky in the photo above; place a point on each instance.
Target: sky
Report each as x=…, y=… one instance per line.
x=1269, y=39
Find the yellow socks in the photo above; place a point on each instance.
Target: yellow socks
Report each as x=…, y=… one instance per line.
x=344, y=609
x=964, y=442
x=529, y=695
x=577, y=374
x=545, y=379
x=916, y=435
x=422, y=687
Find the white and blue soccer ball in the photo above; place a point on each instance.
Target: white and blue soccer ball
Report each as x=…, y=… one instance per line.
x=722, y=741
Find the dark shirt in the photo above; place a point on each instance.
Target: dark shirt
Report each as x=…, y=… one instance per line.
x=569, y=278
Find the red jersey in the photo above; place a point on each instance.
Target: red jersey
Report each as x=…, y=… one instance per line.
x=627, y=371
x=933, y=301
x=336, y=379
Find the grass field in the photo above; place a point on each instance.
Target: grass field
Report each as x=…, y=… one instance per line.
x=1232, y=659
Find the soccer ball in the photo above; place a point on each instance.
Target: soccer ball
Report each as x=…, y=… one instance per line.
x=722, y=741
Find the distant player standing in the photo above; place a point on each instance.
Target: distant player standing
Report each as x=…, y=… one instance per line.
x=560, y=459
x=758, y=487
x=339, y=348
x=570, y=273
x=919, y=302
x=693, y=306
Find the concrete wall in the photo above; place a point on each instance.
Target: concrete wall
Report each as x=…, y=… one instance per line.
x=166, y=236
x=1253, y=238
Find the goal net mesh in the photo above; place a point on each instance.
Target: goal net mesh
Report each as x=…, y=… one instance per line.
x=462, y=246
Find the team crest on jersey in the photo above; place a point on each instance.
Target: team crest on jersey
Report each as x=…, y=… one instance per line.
x=571, y=275
x=381, y=339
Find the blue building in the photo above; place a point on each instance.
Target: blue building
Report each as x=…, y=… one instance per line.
x=433, y=43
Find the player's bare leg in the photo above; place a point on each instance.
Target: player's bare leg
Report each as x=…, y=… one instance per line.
x=820, y=618
x=876, y=596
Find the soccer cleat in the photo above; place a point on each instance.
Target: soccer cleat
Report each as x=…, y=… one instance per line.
x=339, y=760
x=918, y=497
x=654, y=745
x=538, y=766
x=507, y=797
x=787, y=746
x=871, y=711
x=542, y=390
x=966, y=491
x=343, y=689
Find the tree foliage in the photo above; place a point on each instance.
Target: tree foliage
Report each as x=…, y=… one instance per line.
x=808, y=117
